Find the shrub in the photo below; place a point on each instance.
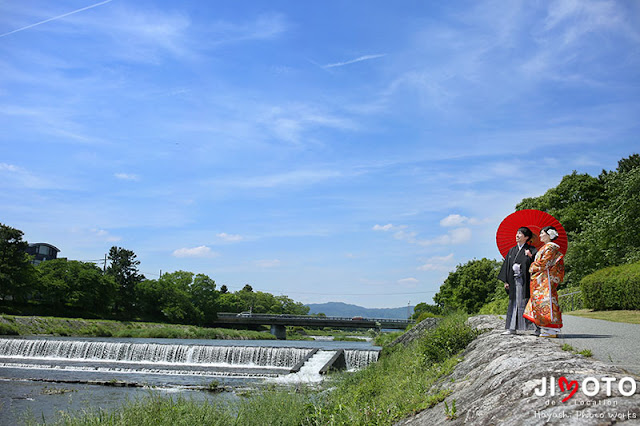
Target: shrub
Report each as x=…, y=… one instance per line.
x=426, y=315
x=495, y=307
x=613, y=288
x=449, y=338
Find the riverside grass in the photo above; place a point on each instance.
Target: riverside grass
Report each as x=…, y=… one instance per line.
x=399, y=384
x=56, y=326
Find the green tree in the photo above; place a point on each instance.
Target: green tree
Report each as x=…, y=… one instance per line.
x=291, y=307
x=169, y=299
x=17, y=274
x=470, y=286
x=204, y=297
x=71, y=286
x=423, y=307
x=230, y=302
x=571, y=202
x=124, y=270
x=611, y=234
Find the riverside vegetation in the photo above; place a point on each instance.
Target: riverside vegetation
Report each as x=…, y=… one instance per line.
x=398, y=385
x=30, y=326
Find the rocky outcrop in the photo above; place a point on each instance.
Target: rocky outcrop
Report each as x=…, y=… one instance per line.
x=500, y=379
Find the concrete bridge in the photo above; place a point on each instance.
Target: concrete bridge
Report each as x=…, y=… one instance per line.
x=279, y=322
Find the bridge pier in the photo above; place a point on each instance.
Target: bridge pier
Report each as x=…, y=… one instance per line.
x=280, y=331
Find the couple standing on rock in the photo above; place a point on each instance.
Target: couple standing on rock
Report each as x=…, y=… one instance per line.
x=531, y=278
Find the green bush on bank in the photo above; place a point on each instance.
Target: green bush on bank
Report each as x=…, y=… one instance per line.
x=613, y=288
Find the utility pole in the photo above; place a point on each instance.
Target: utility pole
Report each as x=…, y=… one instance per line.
x=409, y=309
x=104, y=267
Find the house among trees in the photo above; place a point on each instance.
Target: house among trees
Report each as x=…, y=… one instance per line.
x=42, y=252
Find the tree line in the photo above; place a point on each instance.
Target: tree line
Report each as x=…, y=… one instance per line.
x=74, y=288
x=601, y=216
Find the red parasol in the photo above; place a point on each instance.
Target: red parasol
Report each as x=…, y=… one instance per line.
x=532, y=219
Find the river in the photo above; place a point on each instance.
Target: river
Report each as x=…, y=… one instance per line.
x=41, y=376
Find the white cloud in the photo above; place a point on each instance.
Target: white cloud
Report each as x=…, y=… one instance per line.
x=295, y=177
x=455, y=236
x=268, y=263
x=353, y=61
x=201, y=251
x=387, y=227
x=408, y=282
x=105, y=236
x=126, y=176
x=438, y=263
x=453, y=220
x=230, y=237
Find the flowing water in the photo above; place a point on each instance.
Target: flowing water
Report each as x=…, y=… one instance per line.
x=41, y=376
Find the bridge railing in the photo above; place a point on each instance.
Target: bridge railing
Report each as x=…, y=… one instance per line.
x=311, y=317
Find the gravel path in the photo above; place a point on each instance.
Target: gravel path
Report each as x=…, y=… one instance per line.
x=611, y=342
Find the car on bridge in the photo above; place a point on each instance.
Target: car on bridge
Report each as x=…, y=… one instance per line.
x=244, y=314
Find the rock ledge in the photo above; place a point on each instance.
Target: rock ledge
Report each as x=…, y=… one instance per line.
x=497, y=380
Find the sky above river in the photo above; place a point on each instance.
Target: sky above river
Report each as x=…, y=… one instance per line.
x=352, y=151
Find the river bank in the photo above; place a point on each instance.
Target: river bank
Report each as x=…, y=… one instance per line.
x=526, y=380
x=55, y=326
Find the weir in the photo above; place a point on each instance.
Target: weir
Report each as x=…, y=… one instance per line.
x=163, y=358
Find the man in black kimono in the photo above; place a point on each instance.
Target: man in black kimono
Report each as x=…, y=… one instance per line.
x=515, y=275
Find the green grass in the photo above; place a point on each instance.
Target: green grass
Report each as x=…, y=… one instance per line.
x=630, y=317
x=404, y=381
x=585, y=352
x=56, y=326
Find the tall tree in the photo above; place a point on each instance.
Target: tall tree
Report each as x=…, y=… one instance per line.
x=571, y=202
x=74, y=287
x=470, y=286
x=17, y=274
x=124, y=270
x=611, y=235
x=204, y=297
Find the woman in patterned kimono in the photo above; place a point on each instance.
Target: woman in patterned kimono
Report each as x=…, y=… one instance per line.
x=547, y=272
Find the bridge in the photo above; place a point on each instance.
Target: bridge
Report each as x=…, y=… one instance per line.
x=279, y=322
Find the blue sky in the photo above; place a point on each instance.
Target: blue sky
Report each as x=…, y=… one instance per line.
x=352, y=151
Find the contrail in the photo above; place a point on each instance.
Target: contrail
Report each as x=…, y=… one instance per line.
x=353, y=61
x=54, y=18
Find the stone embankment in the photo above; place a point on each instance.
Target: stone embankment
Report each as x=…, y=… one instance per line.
x=501, y=381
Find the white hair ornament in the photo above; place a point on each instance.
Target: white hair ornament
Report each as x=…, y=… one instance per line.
x=552, y=233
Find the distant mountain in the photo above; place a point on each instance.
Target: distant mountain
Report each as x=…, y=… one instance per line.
x=339, y=309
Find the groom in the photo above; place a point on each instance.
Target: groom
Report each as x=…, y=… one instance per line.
x=515, y=275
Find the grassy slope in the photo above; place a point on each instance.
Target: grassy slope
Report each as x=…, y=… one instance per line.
x=55, y=326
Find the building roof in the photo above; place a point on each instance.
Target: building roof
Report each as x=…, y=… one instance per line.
x=44, y=244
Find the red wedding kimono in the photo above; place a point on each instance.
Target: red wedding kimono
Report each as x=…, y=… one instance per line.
x=547, y=271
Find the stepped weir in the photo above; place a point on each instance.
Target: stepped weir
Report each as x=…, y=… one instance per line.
x=161, y=358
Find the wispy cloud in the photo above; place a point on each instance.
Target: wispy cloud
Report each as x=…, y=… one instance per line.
x=12, y=175
x=452, y=237
x=127, y=176
x=201, y=251
x=230, y=237
x=55, y=18
x=408, y=282
x=268, y=263
x=104, y=235
x=294, y=177
x=438, y=263
x=353, y=61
